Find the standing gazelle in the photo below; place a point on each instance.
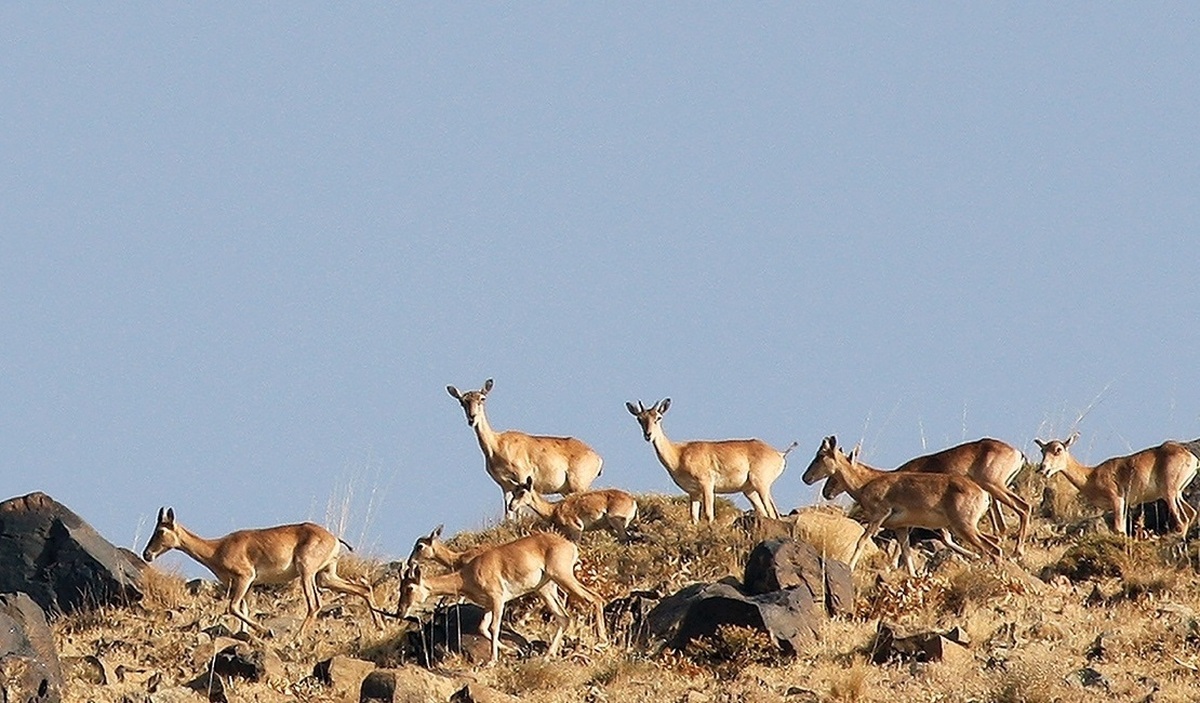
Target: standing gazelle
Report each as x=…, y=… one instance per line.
x=1122, y=481
x=609, y=507
x=902, y=500
x=989, y=462
x=561, y=465
x=271, y=555
x=704, y=468
x=539, y=563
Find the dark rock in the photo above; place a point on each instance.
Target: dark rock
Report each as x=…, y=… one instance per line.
x=626, y=617
x=29, y=667
x=790, y=616
x=344, y=676
x=246, y=662
x=1091, y=678
x=63, y=564
x=406, y=684
x=923, y=647
x=455, y=630
x=211, y=686
x=778, y=564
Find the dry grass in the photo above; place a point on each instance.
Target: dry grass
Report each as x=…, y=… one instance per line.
x=1128, y=610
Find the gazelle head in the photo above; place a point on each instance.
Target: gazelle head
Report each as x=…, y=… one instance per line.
x=522, y=495
x=471, y=401
x=824, y=463
x=424, y=549
x=164, y=538
x=649, y=417
x=413, y=591
x=1055, y=454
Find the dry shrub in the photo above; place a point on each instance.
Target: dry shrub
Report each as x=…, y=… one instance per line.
x=1028, y=682
x=162, y=590
x=906, y=596
x=531, y=675
x=734, y=648
x=973, y=586
x=1147, y=582
x=1060, y=501
x=1101, y=555
x=851, y=684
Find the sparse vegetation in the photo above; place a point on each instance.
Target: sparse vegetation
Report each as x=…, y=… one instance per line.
x=1040, y=629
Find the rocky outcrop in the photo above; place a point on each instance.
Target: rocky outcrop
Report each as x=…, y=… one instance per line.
x=788, y=592
x=63, y=564
x=454, y=630
x=29, y=667
x=780, y=564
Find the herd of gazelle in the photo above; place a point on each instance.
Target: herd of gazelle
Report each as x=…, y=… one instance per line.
x=948, y=491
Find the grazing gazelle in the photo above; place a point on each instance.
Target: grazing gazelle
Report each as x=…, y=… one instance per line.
x=989, y=462
x=561, y=465
x=902, y=500
x=271, y=555
x=608, y=507
x=430, y=547
x=540, y=563
x=1117, y=483
x=704, y=468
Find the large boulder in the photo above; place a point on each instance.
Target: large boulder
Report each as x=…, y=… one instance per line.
x=456, y=630
x=63, y=564
x=779, y=564
x=29, y=668
x=790, y=616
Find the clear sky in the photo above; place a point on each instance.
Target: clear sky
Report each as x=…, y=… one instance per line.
x=245, y=247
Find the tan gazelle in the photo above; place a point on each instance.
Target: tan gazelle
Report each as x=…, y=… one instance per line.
x=271, y=555
x=989, y=462
x=705, y=468
x=560, y=465
x=1116, y=484
x=608, y=508
x=540, y=563
x=902, y=500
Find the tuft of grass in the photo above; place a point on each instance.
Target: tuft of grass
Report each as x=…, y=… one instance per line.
x=851, y=684
x=535, y=675
x=163, y=590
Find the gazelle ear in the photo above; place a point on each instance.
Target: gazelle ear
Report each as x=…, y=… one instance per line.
x=663, y=405
x=170, y=516
x=853, y=455
x=1071, y=440
x=1040, y=443
x=632, y=410
x=161, y=511
x=437, y=532
x=528, y=485
x=828, y=444
x=487, y=387
x=454, y=392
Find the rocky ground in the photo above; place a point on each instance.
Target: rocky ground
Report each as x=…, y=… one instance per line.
x=1083, y=616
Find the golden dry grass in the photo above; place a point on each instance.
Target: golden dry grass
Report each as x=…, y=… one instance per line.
x=1034, y=625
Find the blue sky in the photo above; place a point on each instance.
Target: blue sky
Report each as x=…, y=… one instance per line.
x=244, y=249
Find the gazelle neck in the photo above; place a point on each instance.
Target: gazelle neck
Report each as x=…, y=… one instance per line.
x=668, y=451
x=855, y=475
x=450, y=584
x=541, y=506
x=445, y=555
x=485, y=434
x=196, y=547
x=1077, y=473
